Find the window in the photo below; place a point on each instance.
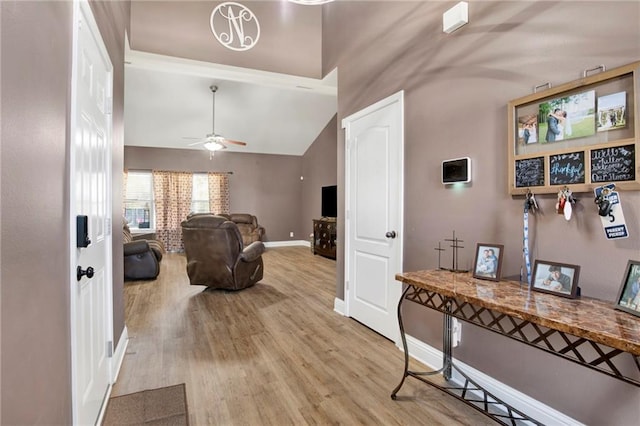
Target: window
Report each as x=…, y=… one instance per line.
x=138, y=202
x=200, y=197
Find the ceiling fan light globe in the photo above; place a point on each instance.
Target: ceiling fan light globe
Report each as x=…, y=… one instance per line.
x=213, y=146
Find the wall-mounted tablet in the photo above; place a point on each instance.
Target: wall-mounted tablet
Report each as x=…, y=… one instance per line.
x=456, y=170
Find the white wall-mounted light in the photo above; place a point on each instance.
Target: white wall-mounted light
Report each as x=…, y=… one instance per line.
x=455, y=17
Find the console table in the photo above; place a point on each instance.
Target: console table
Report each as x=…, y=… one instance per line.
x=586, y=331
x=324, y=237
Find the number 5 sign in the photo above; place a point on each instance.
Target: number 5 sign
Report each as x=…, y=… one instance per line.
x=613, y=223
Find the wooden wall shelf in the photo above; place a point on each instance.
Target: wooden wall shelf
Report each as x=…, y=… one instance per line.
x=596, y=144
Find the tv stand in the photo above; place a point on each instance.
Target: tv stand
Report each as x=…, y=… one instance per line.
x=324, y=237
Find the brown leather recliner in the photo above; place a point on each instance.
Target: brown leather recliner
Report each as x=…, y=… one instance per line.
x=216, y=256
x=141, y=257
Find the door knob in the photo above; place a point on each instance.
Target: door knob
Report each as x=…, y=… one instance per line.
x=81, y=272
x=390, y=234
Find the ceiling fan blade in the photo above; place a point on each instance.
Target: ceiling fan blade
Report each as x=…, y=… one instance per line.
x=235, y=142
x=216, y=141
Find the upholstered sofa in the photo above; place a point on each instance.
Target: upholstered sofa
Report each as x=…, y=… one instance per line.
x=141, y=257
x=248, y=226
x=216, y=255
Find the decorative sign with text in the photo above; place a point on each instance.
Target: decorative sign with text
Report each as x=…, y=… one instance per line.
x=530, y=172
x=613, y=224
x=235, y=26
x=565, y=169
x=613, y=164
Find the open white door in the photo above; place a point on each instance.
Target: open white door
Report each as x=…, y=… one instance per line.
x=373, y=225
x=90, y=195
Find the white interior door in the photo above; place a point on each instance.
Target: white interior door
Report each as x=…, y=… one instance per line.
x=90, y=184
x=373, y=226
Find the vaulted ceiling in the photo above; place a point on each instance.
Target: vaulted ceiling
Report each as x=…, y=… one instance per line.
x=168, y=102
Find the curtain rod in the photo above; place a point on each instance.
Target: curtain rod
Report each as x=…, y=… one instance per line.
x=151, y=170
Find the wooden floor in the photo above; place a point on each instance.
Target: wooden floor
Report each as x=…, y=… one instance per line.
x=273, y=354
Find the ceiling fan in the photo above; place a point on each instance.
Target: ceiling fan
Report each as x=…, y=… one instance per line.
x=214, y=142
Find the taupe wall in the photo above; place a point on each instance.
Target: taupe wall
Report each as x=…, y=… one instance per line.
x=456, y=90
x=34, y=273
x=290, y=35
x=319, y=169
x=267, y=186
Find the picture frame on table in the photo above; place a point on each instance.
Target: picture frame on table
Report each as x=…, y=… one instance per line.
x=560, y=279
x=628, y=299
x=488, y=261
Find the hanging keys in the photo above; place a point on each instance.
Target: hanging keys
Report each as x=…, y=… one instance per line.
x=530, y=203
x=561, y=202
x=603, y=203
x=565, y=203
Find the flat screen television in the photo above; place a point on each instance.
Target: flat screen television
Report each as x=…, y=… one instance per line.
x=329, y=201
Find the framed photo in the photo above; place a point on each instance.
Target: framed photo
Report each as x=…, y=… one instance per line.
x=628, y=299
x=555, y=278
x=611, y=112
x=528, y=129
x=568, y=117
x=488, y=264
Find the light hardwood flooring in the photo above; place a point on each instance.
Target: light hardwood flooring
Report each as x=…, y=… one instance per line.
x=273, y=354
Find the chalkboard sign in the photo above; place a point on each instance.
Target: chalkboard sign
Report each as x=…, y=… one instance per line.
x=613, y=164
x=530, y=172
x=566, y=168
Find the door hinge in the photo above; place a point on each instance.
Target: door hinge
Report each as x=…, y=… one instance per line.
x=110, y=348
x=107, y=225
x=347, y=284
x=109, y=105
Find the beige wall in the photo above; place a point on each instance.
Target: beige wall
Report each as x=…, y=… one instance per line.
x=456, y=90
x=290, y=37
x=35, y=83
x=265, y=185
x=319, y=169
x=34, y=266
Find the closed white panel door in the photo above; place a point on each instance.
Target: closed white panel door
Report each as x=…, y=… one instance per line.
x=374, y=139
x=90, y=196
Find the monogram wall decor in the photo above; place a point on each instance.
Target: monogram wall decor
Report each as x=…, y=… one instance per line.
x=235, y=26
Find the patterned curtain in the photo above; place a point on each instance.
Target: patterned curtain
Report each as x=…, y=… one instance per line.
x=219, y=192
x=172, y=195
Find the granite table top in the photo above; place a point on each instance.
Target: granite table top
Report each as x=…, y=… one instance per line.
x=593, y=319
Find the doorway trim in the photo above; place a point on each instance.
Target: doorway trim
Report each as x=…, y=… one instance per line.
x=396, y=98
x=83, y=15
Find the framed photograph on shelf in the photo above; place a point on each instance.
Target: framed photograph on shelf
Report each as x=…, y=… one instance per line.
x=488, y=264
x=555, y=278
x=628, y=299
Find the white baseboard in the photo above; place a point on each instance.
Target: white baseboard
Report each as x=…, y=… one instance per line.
x=118, y=354
x=116, y=363
x=287, y=243
x=432, y=357
x=338, y=306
